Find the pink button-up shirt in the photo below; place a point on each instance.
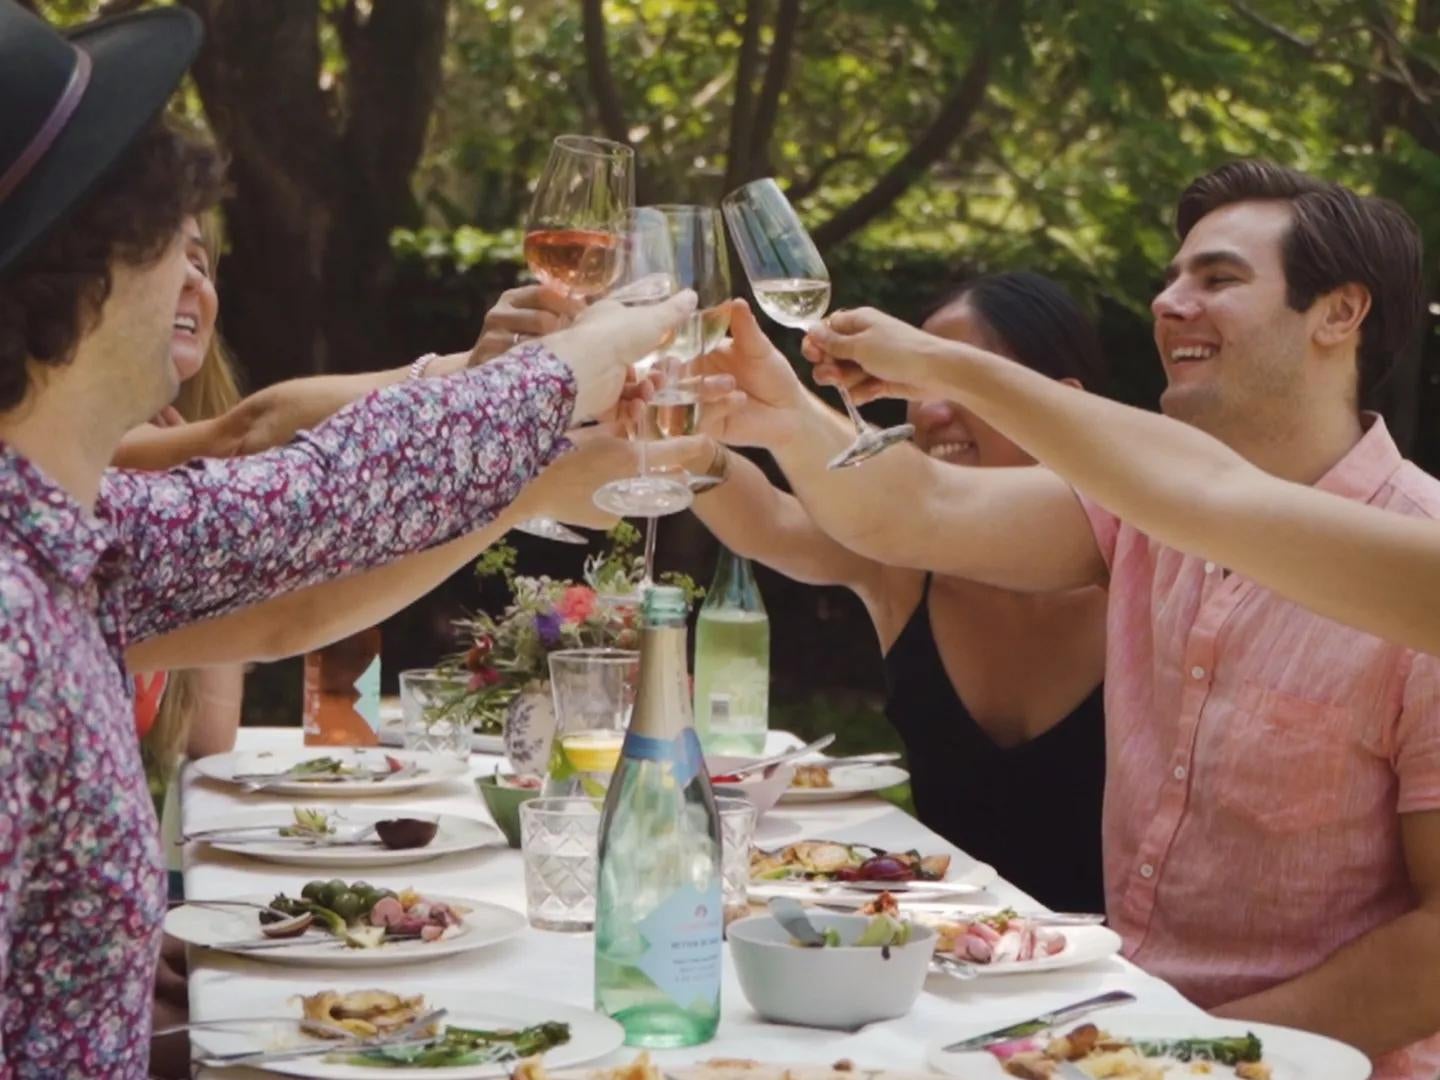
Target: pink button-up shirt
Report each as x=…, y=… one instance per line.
x=1259, y=759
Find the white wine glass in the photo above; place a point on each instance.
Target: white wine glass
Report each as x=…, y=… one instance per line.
x=792, y=286
x=573, y=234
x=691, y=241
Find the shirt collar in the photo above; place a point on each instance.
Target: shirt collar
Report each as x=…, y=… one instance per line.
x=36, y=513
x=1368, y=465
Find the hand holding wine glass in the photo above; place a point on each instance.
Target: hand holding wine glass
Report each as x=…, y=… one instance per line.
x=875, y=355
x=792, y=286
x=572, y=237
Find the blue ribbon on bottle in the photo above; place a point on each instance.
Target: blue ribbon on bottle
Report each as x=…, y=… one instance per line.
x=682, y=752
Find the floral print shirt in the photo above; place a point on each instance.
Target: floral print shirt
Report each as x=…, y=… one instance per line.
x=82, y=882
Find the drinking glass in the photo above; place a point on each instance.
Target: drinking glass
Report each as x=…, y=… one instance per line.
x=792, y=286
x=573, y=232
x=594, y=691
x=572, y=237
x=435, y=707
x=737, y=834
x=560, y=843
x=695, y=259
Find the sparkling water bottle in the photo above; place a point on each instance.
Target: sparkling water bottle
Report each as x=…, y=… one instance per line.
x=659, y=913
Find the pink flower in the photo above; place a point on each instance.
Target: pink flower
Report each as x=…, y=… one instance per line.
x=576, y=604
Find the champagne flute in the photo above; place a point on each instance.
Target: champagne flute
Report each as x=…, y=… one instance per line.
x=792, y=286
x=696, y=261
x=573, y=234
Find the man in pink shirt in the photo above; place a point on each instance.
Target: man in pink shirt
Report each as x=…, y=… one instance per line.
x=1272, y=811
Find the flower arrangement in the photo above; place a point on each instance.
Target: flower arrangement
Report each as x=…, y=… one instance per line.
x=506, y=654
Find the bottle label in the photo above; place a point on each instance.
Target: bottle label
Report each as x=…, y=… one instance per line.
x=682, y=946
x=682, y=752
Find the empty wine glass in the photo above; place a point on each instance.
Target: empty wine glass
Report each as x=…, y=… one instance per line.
x=792, y=286
x=682, y=247
x=573, y=234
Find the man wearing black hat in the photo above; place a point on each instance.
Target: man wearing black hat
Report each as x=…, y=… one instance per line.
x=93, y=190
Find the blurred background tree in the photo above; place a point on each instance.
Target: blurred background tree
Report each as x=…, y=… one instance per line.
x=384, y=150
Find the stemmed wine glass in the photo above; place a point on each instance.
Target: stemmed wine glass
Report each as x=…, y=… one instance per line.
x=573, y=236
x=792, y=286
x=691, y=253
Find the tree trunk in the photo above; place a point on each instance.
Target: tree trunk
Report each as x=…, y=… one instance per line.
x=319, y=179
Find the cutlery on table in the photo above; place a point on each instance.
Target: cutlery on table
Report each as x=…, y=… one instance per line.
x=355, y=835
x=1026, y=1028
x=258, y=944
x=400, y=1039
x=240, y=1021
x=960, y=910
x=954, y=967
x=764, y=765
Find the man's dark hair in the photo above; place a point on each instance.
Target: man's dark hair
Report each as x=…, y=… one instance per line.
x=51, y=298
x=1336, y=237
x=1036, y=323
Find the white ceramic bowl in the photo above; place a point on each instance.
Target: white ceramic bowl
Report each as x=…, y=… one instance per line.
x=763, y=791
x=839, y=987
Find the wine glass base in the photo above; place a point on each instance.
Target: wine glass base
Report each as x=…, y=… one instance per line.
x=870, y=442
x=644, y=496
x=549, y=529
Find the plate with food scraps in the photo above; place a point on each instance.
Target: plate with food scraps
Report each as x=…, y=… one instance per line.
x=642, y=1068
x=350, y=837
x=476, y=1025
x=817, y=782
x=1141, y=1046
x=851, y=874
x=1001, y=942
x=337, y=923
x=331, y=770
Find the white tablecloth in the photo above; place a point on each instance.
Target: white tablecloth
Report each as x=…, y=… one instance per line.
x=559, y=966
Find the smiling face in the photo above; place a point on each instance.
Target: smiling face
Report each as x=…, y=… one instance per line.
x=948, y=431
x=1234, y=352
x=199, y=305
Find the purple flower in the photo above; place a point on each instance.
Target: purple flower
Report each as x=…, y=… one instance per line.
x=547, y=625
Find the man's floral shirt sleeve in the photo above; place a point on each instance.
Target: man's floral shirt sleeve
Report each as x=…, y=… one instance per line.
x=408, y=467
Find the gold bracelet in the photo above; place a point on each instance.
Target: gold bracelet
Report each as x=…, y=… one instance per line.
x=719, y=469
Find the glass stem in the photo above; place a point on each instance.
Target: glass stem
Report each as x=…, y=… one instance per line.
x=855, y=418
x=650, y=530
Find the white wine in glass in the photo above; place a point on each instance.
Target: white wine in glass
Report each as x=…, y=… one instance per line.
x=792, y=286
x=697, y=258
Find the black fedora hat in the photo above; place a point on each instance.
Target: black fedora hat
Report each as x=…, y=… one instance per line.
x=73, y=103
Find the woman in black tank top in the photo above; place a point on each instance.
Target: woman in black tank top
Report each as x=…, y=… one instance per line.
x=1032, y=809
x=996, y=695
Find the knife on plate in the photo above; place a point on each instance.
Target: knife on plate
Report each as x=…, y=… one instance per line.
x=1039, y=1023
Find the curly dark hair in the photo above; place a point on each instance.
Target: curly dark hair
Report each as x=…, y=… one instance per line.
x=51, y=298
x=1336, y=237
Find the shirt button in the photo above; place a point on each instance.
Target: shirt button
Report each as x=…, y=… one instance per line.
x=1179, y=773
x=1197, y=672
x=1209, y=568
x=1147, y=871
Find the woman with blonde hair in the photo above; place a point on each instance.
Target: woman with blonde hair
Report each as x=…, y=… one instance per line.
x=194, y=712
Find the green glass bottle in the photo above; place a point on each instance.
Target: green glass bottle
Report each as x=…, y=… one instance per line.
x=659, y=914
x=732, y=662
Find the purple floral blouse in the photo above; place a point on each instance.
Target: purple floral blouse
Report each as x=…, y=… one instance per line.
x=82, y=882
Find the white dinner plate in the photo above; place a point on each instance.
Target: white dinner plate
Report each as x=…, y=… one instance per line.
x=849, y=782
x=591, y=1034
x=1291, y=1054
x=455, y=834
x=1083, y=945
x=964, y=876
x=194, y=923
x=433, y=769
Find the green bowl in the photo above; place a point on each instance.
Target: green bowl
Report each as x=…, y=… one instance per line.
x=504, y=803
